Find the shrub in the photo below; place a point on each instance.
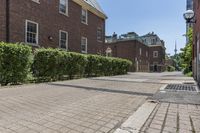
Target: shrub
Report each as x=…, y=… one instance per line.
x=106, y=66
x=170, y=69
x=77, y=64
x=15, y=61
x=52, y=64
x=47, y=64
x=94, y=66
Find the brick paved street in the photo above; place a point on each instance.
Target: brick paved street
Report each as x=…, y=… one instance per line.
x=174, y=118
x=85, y=105
x=98, y=105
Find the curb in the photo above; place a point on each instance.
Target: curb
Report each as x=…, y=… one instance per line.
x=136, y=121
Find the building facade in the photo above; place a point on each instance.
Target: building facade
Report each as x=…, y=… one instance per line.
x=156, y=50
x=146, y=57
x=74, y=25
x=196, y=41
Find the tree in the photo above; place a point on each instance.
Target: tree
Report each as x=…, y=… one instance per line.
x=186, y=54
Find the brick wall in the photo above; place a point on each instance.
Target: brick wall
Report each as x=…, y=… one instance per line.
x=50, y=21
x=131, y=50
x=196, y=38
x=144, y=62
x=160, y=60
x=2, y=20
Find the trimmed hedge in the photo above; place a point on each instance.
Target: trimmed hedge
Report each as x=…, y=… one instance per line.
x=17, y=64
x=15, y=61
x=54, y=64
x=106, y=66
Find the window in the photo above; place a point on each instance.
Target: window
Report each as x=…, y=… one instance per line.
x=147, y=53
x=155, y=54
x=84, y=16
x=99, y=34
x=63, y=39
x=84, y=45
x=140, y=51
x=31, y=32
x=37, y=1
x=63, y=7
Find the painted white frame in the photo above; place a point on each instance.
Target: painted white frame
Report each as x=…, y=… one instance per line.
x=37, y=34
x=67, y=8
x=67, y=39
x=36, y=1
x=86, y=11
x=86, y=45
x=140, y=51
x=100, y=29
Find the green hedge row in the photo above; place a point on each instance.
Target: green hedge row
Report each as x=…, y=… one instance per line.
x=17, y=62
x=54, y=64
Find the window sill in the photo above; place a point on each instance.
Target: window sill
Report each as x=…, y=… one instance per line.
x=33, y=44
x=65, y=49
x=65, y=14
x=84, y=52
x=36, y=1
x=84, y=23
x=99, y=41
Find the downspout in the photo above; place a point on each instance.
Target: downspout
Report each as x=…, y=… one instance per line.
x=7, y=20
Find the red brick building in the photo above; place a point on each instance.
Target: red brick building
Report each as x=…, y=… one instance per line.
x=133, y=50
x=75, y=25
x=196, y=42
x=146, y=57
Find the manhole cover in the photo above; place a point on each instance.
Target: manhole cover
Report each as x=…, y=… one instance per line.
x=180, y=87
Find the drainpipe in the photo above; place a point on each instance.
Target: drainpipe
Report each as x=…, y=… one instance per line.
x=7, y=20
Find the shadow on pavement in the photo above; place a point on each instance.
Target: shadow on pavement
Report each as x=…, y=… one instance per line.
x=103, y=90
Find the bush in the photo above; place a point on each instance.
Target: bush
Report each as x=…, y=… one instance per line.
x=76, y=65
x=106, y=66
x=15, y=61
x=16, y=64
x=48, y=64
x=170, y=69
x=190, y=74
x=52, y=64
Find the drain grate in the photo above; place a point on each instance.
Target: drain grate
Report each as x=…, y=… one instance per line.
x=181, y=87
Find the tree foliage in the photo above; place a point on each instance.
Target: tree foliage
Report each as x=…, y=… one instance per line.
x=186, y=54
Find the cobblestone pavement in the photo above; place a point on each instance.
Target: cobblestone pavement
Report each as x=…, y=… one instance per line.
x=173, y=118
x=79, y=106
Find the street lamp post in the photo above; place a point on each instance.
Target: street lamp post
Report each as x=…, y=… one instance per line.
x=189, y=16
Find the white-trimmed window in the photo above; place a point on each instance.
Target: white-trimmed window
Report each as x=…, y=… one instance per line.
x=63, y=7
x=147, y=54
x=140, y=51
x=31, y=35
x=63, y=39
x=84, y=16
x=83, y=44
x=99, y=34
x=155, y=54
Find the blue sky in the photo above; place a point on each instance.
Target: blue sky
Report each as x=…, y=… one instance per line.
x=164, y=17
